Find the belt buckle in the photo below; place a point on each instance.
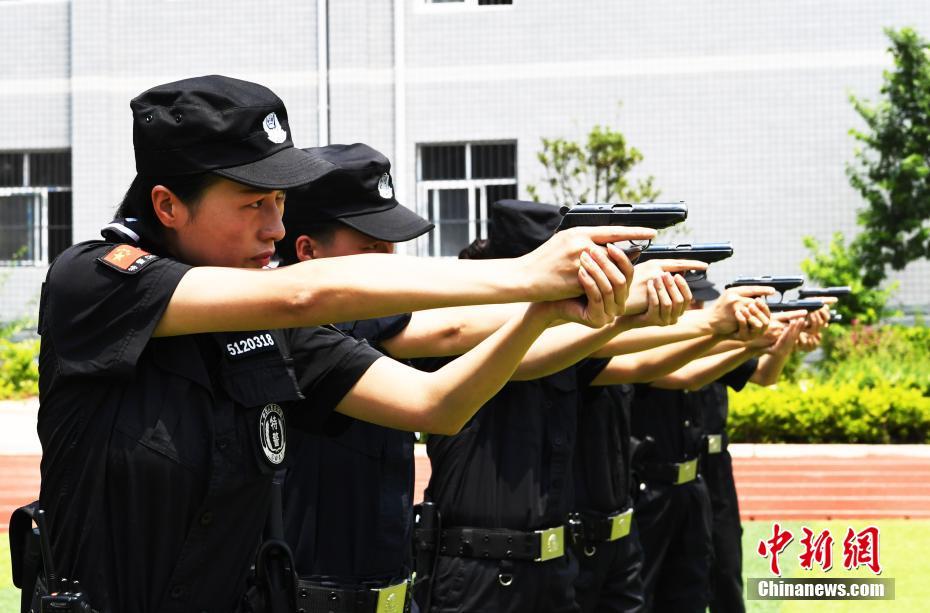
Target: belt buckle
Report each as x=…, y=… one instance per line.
x=620, y=524
x=551, y=543
x=687, y=471
x=392, y=599
x=714, y=443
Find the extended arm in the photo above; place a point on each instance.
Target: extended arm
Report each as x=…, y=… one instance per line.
x=651, y=364
x=701, y=372
x=560, y=347
x=773, y=362
x=455, y=330
x=210, y=299
x=734, y=313
x=394, y=395
x=450, y=331
x=692, y=324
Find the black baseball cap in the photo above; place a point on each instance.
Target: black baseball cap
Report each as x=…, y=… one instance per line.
x=233, y=128
x=516, y=227
x=358, y=193
x=701, y=287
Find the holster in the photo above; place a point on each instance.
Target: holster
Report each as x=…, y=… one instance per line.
x=29, y=572
x=426, y=550
x=25, y=553
x=274, y=588
x=641, y=450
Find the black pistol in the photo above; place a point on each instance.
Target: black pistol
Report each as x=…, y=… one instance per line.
x=702, y=252
x=779, y=284
x=645, y=215
x=796, y=305
x=825, y=292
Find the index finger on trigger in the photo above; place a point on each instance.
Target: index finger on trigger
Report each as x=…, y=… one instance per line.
x=753, y=290
x=612, y=234
x=682, y=265
x=786, y=315
x=826, y=299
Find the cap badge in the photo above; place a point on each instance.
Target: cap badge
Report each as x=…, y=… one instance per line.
x=385, y=189
x=273, y=129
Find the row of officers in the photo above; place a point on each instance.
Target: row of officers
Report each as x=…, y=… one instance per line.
x=212, y=443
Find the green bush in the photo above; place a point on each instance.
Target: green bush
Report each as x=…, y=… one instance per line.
x=874, y=355
x=812, y=412
x=19, y=371
x=840, y=263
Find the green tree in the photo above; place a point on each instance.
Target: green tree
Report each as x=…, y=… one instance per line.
x=891, y=170
x=891, y=173
x=594, y=171
x=841, y=264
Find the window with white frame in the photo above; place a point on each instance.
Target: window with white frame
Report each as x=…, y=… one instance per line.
x=455, y=183
x=35, y=206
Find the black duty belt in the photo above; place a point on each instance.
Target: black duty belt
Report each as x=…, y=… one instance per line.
x=314, y=597
x=605, y=529
x=499, y=544
x=714, y=443
x=676, y=473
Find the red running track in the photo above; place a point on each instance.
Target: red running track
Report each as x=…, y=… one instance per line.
x=769, y=488
x=19, y=484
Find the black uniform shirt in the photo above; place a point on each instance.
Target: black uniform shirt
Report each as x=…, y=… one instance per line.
x=602, y=451
x=348, y=493
x=675, y=419
x=511, y=465
x=158, y=452
x=673, y=423
x=713, y=399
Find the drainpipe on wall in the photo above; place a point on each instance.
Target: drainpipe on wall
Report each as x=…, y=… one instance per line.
x=403, y=173
x=322, y=55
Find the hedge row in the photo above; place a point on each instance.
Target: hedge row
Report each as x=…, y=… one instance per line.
x=808, y=412
x=19, y=370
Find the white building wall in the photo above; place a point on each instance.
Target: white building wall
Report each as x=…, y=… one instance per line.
x=740, y=108
x=362, y=77
x=122, y=48
x=34, y=71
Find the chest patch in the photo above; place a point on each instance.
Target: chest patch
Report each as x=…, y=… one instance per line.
x=127, y=259
x=244, y=345
x=271, y=432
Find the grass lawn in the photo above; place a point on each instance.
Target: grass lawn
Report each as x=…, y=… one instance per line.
x=9, y=595
x=901, y=552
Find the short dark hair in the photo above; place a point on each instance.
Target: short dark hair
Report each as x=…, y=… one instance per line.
x=137, y=202
x=479, y=249
x=321, y=231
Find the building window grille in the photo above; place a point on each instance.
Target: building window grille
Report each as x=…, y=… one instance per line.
x=455, y=183
x=35, y=206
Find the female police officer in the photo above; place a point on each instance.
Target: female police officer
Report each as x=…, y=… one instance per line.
x=159, y=440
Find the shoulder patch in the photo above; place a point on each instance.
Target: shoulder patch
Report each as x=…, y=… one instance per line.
x=127, y=259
